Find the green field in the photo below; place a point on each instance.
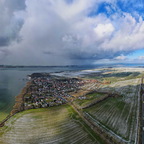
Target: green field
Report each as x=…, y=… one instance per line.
x=55, y=125
x=115, y=76
x=90, y=98
x=118, y=114
x=3, y=115
x=4, y=111
x=114, y=114
x=116, y=117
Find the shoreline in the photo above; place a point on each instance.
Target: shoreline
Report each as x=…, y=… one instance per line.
x=19, y=103
x=19, y=99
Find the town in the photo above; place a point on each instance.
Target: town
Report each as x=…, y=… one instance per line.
x=47, y=90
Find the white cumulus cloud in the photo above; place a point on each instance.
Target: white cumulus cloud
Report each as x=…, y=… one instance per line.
x=58, y=32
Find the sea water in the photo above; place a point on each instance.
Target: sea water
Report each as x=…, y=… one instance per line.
x=12, y=80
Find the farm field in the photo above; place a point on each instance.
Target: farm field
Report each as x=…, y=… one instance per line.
x=117, y=74
x=4, y=112
x=109, y=105
x=89, y=99
x=119, y=114
x=47, y=126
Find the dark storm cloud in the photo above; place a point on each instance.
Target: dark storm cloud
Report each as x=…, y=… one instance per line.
x=4, y=41
x=82, y=56
x=61, y=32
x=15, y=5
x=12, y=35
x=10, y=24
x=48, y=53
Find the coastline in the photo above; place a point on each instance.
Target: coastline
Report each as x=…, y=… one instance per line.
x=19, y=100
x=19, y=103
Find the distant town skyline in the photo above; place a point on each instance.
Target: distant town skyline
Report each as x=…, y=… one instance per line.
x=71, y=32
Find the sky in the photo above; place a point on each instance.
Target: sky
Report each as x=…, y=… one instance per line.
x=71, y=32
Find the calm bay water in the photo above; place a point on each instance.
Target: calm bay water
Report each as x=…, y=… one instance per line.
x=12, y=80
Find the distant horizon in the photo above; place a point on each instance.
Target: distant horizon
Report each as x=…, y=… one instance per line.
x=90, y=65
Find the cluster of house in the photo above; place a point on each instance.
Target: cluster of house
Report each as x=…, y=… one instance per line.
x=47, y=91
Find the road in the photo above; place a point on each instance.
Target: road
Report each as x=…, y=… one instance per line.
x=142, y=90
